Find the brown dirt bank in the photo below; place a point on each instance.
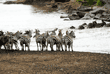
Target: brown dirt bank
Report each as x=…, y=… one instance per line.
x=18, y=62
x=48, y=5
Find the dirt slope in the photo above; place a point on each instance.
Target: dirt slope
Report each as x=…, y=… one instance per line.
x=54, y=63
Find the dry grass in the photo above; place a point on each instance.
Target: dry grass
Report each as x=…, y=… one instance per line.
x=54, y=63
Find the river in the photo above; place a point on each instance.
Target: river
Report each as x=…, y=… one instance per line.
x=14, y=17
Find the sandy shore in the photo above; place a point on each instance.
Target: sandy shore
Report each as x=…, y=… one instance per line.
x=53, y=63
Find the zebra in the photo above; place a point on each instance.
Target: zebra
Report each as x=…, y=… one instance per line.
x=67, y=40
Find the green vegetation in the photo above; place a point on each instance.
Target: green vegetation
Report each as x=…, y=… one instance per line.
x=99, y=3
x=91, y=2
x=79, y=0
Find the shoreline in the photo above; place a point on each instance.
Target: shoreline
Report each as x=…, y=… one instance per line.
x=3, y=51
x=54, y=62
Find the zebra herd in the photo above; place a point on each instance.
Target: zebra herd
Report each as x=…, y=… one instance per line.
x=8, y=39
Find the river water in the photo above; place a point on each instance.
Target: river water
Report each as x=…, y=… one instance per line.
x=14, y=17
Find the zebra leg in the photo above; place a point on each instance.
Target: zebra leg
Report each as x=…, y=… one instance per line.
x=72, y=46
x=0, y=47
x=65, y=47
x=25, y=47
x=22, y=46
x=16, y=45
x=51, y=46
x=28, y=46
x=61, y=46
x=58, y=47
x=47, y=47
x=43, y=47
x=40, y=46
x=69, y=47
x=11, y=46
x=37, y=46
x=7, y=46
x=4, y=47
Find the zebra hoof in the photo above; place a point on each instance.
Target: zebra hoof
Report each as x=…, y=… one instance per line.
x=52, y=50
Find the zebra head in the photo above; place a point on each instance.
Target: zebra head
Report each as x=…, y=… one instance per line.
x=72, y=34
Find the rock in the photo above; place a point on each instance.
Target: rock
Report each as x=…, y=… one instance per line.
x=74, y=14
x=97, y=16
x=63, y=16
x=72, y=27
x=103, y=18
x=51, y=5
x=106, y=19
x=95, y=7
x=102, y=73
x=98, y=10
x=92, y=15
x=107, y=25
x=106, y=14
x=107, y=6
x=91, y=25
x=81, y=14
x=85, y=8
x=82, y=26
x=87, y=17
x=54, y=6
x=74, y=11
x=13, y=2
x=9, y=2
x=98, y=25
x=73, y=17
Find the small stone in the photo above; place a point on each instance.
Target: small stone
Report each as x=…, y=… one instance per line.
x=101, y=73
x=61, y=69
x=72, y=27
